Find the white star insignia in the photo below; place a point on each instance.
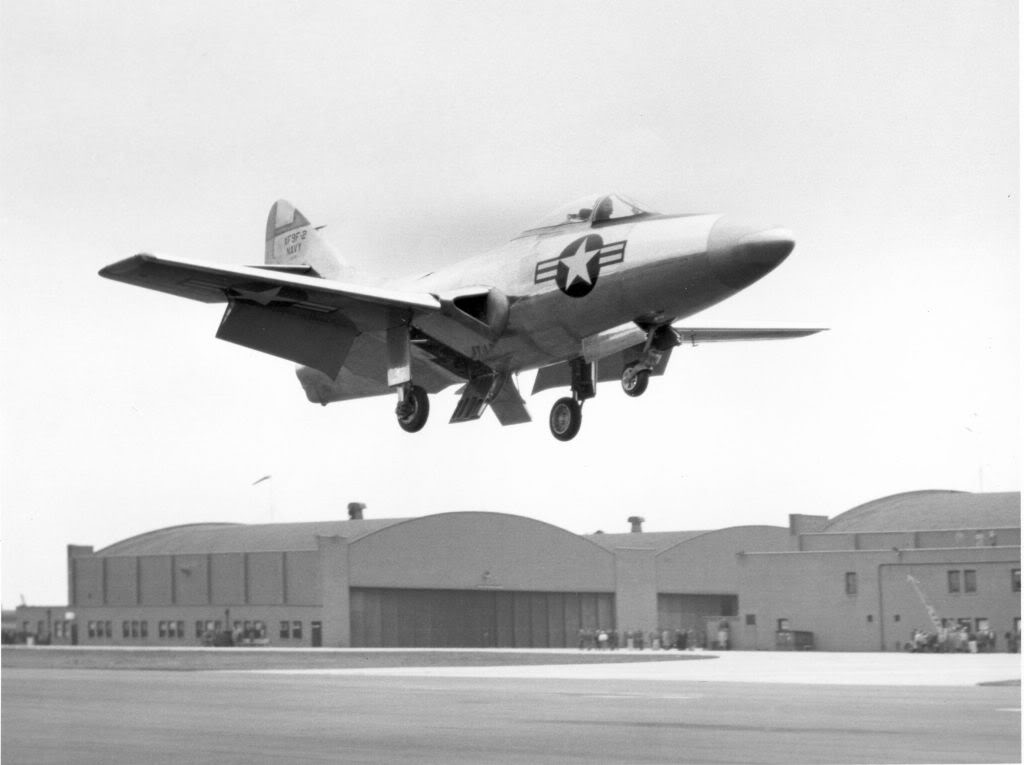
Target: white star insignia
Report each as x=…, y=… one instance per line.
x=577, y=265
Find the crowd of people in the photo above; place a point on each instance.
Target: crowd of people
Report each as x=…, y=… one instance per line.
x=599, y=639
x=960, y=638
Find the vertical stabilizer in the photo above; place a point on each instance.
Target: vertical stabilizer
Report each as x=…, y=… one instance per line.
x=293, y=240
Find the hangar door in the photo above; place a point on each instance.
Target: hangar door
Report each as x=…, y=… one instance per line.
x=475, y=618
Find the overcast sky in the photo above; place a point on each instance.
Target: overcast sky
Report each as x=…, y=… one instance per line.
x=884, y=134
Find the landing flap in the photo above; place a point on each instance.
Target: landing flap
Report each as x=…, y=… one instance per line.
x=320, y=342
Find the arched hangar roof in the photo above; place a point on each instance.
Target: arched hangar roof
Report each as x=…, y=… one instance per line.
x=931, y=510
x=647, y=540
x=200, y=538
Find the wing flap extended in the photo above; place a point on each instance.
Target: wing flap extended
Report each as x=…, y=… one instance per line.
x=314, y=341
x=282, y=311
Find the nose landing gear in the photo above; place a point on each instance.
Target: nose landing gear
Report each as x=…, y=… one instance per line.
x=634, y=379
x=635, y=376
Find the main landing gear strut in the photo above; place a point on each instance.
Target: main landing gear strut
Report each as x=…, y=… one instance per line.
x=413, y=408
x=567, y=413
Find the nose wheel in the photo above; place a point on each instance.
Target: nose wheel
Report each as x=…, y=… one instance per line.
x=635, y=379
x=413, y=409
x=566, y=418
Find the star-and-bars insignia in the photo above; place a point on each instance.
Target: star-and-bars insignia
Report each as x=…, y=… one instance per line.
x=576, y=269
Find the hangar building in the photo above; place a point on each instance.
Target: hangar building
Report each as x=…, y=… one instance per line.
x=479, y=579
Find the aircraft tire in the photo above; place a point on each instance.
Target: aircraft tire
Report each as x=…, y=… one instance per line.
x=565, y=419
x=635, y=383
x=417, y=410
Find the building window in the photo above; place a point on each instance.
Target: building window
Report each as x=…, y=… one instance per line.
x=895, y=617
x=970, y=580
x=1015, y=579
x=285, y=632
x=91, y=629
x=143, y=629
x=851, y=582
x=783, y=624
x=297, y=630
x=751, y=620
x=126, y=629
x=181, y=629
x=162, y=629
x=871, y=618
x=135, y=629
x=953, y=578
x=108, y=629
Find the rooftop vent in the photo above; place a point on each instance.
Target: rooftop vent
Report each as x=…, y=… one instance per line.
x=355, y=511
x=635, y=524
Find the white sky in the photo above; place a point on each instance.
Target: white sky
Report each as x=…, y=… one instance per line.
x=884, y=134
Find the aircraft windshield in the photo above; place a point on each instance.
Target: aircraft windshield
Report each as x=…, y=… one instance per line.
x=596, y=208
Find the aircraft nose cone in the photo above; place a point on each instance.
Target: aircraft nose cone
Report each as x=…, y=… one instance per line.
x=741, y=253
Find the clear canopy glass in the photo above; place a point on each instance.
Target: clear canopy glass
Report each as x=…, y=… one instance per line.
x=595, y=208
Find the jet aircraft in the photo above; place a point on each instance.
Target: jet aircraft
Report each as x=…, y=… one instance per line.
x=589, y=294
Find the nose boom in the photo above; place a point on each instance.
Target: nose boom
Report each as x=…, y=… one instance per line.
x=741, y=253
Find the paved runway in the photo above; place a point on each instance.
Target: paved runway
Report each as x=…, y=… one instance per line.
x=428, y=715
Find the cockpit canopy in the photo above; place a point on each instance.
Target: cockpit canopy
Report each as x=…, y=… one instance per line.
x=593, y=208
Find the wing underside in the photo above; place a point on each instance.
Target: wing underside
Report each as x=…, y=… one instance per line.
x=284, y=312
x=614, y=350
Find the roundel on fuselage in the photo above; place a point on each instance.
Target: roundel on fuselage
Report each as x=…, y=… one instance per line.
x=578, y=266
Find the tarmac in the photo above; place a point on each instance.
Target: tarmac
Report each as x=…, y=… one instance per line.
x=732, y=707
x=800, y=668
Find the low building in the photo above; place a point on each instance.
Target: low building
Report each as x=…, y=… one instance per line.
x=38, y=625
x=868, y=578
x=860, y=581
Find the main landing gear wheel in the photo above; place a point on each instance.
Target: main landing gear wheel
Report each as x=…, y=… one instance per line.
x=566, y=418
x=634, y=381
x=413, y=409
